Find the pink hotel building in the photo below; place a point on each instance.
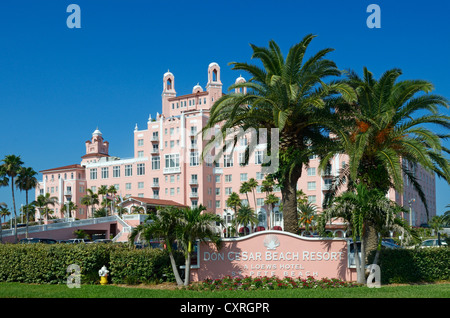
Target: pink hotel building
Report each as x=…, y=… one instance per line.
x=166, y=165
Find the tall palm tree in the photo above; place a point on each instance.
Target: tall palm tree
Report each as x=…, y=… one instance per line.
x=246, y=216
x=69, y=207
x=4, y=212
x=10, y=169
x=307, y=212
x=252, y=185
x=90, y=199
x=43, y=202
x=245, y=189
x=288, y=94
x=386, y=133
x=234, y=201
x=161, y=225
x=112, y=190
x=196, y=225
x=26, y=181
x=103, y=191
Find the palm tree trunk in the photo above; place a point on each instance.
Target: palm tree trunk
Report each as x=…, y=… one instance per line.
x=175, y=269
x=187, y=270
x=15, y=213
x=371, y=239
x=289, y=200
x=27, y=212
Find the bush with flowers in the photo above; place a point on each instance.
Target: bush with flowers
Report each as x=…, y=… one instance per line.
x=270, y=283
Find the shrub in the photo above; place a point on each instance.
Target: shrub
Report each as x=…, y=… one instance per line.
x=48, y=263
x=414, y=265
x=271, y=283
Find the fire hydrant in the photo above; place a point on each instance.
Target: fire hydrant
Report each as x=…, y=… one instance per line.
x=103, y=273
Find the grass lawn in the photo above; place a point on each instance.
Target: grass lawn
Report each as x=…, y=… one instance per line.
x=19, y=290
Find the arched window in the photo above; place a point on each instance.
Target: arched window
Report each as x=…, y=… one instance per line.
x=169, y=84
x=214, y=76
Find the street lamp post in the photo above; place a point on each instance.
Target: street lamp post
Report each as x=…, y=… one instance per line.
x=410, y=211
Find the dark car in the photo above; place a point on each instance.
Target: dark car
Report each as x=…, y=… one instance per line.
x=38, y=240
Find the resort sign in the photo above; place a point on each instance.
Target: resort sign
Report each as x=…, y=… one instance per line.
x=273, y=253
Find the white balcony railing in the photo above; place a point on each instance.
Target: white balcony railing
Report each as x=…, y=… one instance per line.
x=172, y=170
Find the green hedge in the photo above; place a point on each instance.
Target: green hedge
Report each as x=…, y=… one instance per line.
x=48, y=263
x=414, y=265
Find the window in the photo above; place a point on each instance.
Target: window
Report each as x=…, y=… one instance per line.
x=217, y=178
x=140, y=154
x=156, y=181
x=217, y=191
x=94, y=189
x=244, y=177
x=140, y=142
x=172, y=191
x=172, y=143
x=194, y=179
x=228, y=160
x=260, y=201
x=93, y=173
x=311, y=199
x=312, y=185
x=172, y=179
x=259, y=176
x=172, y=160
x=140, y=169
x=116, y=172
x=172, y=131
x=228, y=190
x=140, y=185
x=311, y=171
x=155, y=163
x=217, y=203
x=193, y=159
x=258, y=157
x=128, y=170
x=241, y=158
x=128, y=186
x=105, y=173
x=228, y=178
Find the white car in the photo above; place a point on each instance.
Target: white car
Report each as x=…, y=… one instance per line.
x=77, y=240
x=432, y=243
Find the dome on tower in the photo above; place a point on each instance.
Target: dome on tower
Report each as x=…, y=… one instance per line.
x=197, y=88
x=97, y=132
x=240, y=79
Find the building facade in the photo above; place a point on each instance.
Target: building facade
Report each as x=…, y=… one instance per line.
x=167, y=164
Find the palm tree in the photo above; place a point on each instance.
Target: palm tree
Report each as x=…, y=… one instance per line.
x=90, y=199
x=447, y=215
x=112, y=190
x=43, y=202
x=384, y=132
x=69, y=207
x=10, y=168
x=234, y=201
x=271, y=200
x=286, y=94
x=103, y=190
x=4, y=212
x=26, y=180
x=252, y=185
x=246, y=216
x=196, y=225
x=245, y=189
x=161, y=225
x=307, y=212
x=437, y=223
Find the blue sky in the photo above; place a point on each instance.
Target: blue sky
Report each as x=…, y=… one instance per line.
x=58, y=84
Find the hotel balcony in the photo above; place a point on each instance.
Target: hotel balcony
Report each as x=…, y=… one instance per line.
x=193, y=195
x=193, y=182
x=326, y=187
x=154, y=138
x=155, y=196
x=154, y=151
x=155, y=185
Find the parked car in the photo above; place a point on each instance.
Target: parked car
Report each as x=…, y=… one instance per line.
x=433, y=243
x=101, y=241
x=77, y=241
x=38, y=240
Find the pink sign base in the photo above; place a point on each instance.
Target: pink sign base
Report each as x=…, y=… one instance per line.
x=274, y=253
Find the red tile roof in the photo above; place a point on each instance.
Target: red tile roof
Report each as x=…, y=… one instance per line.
x=69, y=167
x=158, y=202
